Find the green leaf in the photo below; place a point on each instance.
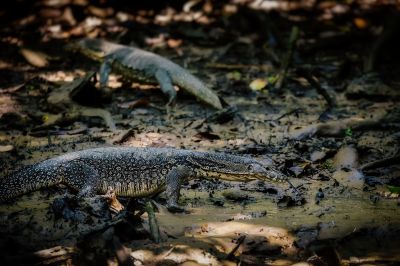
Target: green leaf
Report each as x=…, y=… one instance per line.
x=394, y=189
x=348, y=132
x=273, y=79
x=234, y=75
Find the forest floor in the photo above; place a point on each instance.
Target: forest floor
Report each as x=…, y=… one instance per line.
x=313, y=91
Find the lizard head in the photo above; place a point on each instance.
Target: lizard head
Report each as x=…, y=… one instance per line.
x=264, y=172
x=95, y=49
x=235, y=168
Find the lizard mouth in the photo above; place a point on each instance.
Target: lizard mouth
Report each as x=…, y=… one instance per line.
x=275, y=176
x=268, y=173
x=231, y=176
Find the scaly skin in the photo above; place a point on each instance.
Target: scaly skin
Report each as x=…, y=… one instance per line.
x=134, y=172
x=144, y=66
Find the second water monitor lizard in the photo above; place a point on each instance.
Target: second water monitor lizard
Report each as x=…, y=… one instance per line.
x=143, y=66
x=134, y=172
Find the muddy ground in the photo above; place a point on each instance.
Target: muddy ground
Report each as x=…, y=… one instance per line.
x=312, y=89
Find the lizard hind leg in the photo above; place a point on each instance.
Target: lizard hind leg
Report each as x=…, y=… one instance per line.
x=166, y=86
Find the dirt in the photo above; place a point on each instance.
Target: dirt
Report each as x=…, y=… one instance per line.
x=342, y=213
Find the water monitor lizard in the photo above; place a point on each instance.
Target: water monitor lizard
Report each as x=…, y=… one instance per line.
x=143, y=66
x=134, y=172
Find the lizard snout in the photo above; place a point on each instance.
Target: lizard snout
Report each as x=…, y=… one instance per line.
x=267, y=173
x=276, y=176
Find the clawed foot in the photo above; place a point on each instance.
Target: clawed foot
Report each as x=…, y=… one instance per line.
x=113, y=203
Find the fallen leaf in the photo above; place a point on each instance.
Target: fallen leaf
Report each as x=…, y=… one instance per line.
x=37, y=59
x=6, y=148
x=394, y=189
x=317, y=155
x=68, y=17
x=258, y=84
x=174, y=43
x=360, y=23
x=100, y=12
x=50, y=13
x=299, y=169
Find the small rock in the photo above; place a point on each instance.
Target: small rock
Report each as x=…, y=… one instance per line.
x=320, y=195
x=317, y=155
x=346, y=157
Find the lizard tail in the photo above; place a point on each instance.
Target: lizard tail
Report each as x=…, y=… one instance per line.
x=31, y=178
x=197, y=88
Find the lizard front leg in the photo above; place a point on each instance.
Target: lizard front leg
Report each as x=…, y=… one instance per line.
x=105, y=70
x=104, y=73
x=81, y=177
x=174, y=180
x=166, y=85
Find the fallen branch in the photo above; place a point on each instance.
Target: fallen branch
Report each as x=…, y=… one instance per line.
x=370, y=261
x=338, y=128
x=321, y=90
x=231, y=254
x=293, y=111
x=264, y=68
x=124, y=136
x=381, y=163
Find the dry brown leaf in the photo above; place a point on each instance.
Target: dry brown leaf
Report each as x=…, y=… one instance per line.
x=6, y=148
x=50, y=13
x=174, y=43
x=68, y=16
x=35, y=58
x=100, y=12
x=360, y=23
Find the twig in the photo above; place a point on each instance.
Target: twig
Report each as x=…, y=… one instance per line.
x=222, y=66
x=294, y=35
x=12, y=89
x=239, y=242
x=154, y=230
x=369, y=261
x=293, y=187
x=125, y=136
x=296, y=110
x=312, y=80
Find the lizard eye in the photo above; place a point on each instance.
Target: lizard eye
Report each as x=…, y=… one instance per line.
x=250, y=167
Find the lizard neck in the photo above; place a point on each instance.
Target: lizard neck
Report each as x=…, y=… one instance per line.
x=218, y=165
